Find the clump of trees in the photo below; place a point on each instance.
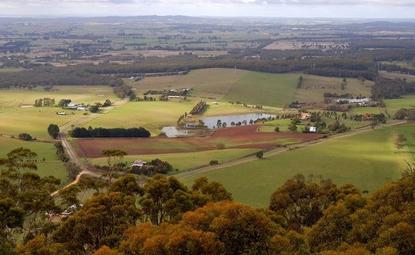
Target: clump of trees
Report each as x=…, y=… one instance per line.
x=153, y=167
x=53, y=131
x=405, y=114
x=45, y=102
x=90, y=132
x=199, y=108
x=25, y=137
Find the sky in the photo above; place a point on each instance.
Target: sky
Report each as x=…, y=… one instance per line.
x=376, y=9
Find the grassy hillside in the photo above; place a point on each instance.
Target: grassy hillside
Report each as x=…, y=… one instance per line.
x=314, y=87
x=48, y=163
x=264, y=89
x=367, y=160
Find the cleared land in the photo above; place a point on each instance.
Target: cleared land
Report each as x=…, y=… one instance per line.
x=240, y=137
x=314, y=87
x=393, y=105
x=48, y=163
x=185, y=161
x=17, y=114
x=230, y=85
x=367, y=160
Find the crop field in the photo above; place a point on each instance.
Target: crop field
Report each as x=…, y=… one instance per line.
x=48, y=163
x=237, y=138
x=367, y=160
x=185, y=161
x=314, y=87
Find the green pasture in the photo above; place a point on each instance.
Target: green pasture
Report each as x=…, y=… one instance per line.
x=314, y=87
x=78, y=94
x=185, y=161
x=264, y=89
x=48, y=163
x=393, y=105
x=34, y=121
x=151, y=115
x=366, y=160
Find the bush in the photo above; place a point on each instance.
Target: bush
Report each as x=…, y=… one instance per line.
x=25, y=137
x=214, y=162
x=260, y=154
x=53, y=130
x=277, y=129
x=220, y=146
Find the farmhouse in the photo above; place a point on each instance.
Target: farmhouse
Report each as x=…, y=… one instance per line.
x=357, y=101
x=138, y=163
x=75, y=106
x=312, y=129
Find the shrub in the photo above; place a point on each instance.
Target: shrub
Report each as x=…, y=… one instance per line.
x=214, y=162
x=25, y=137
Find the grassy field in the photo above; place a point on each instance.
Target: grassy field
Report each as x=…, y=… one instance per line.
x=17, y=115
x=393, y=105
x=185, y=161
x=229, y=85
x=314, y=87
x=212, y=83
x=366, y=160
x=408, y=77
x=264, y=89
x=78, y=94
x=48, y=163
x=151, y=115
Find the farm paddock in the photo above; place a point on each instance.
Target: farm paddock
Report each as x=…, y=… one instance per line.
x=229, y=138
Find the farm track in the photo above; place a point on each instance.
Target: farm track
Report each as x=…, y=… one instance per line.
x=279, y=150
x=74, y=157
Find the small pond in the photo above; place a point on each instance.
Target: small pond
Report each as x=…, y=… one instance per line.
x=172, y=132
x=232, y=120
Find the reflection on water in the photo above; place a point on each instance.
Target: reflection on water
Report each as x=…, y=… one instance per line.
x=218, y=121
x=234, y=120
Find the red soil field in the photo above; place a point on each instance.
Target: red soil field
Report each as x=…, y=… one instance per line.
x=237, y=137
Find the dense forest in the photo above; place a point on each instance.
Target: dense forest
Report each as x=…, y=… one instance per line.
x=162, y=216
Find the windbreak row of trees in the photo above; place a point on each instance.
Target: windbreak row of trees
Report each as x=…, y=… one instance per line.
x=49, y=76
x=81, y=132
x=385, y=88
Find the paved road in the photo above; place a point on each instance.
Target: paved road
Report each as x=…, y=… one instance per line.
x=279, y=150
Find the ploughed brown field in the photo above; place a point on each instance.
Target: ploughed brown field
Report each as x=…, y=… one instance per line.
x=237, y=137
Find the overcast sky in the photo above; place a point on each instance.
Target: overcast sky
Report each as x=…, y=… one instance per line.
x=254, y=8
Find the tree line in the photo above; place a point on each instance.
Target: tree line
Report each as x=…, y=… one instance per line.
x=80, y=132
